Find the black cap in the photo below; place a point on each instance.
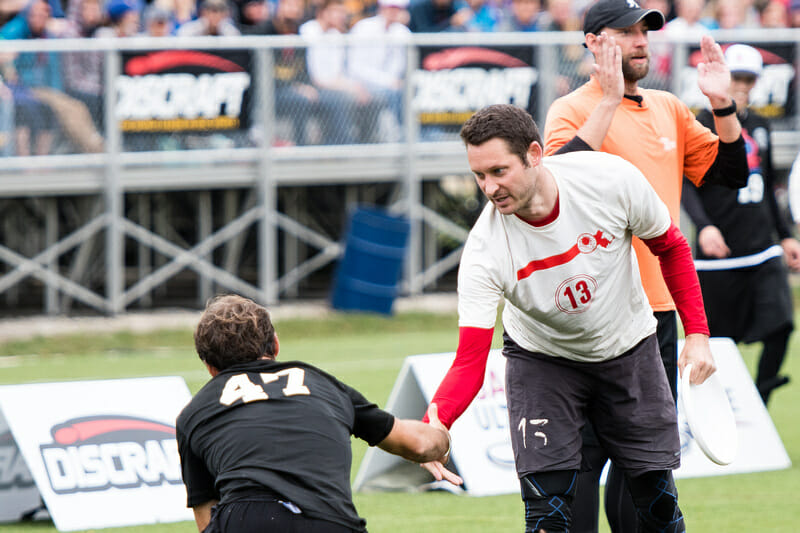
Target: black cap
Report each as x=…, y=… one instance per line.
x=618, y=14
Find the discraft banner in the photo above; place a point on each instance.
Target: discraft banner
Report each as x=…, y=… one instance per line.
x=184, y=90
x=482, y=453
x=773, y=94
x=101, y=453
x=452, y=83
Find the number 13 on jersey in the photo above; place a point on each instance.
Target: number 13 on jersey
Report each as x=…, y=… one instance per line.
x=575, y=294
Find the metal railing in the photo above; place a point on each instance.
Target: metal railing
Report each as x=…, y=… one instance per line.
x=95, y=228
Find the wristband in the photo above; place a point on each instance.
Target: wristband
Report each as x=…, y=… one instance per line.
x=449, y=447
x=725, y=111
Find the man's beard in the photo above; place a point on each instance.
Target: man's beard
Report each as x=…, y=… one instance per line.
x=630, y=73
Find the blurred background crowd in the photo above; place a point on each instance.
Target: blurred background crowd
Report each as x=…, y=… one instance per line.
x=37, y=19
x=325, y=92
x=331, y=85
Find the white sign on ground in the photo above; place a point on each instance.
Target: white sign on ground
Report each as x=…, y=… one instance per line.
x=760, y=447
x=102, y=453
x=482, y=452
x=19, y=496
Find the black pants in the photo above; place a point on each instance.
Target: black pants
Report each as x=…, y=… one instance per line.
x=769, y=363
x=620, y=510
x=264, y=516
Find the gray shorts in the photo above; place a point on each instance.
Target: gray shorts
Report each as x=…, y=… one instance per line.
x=627, y=399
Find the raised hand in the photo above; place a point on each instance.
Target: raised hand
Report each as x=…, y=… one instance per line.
x=608, y=67
x=713, y=75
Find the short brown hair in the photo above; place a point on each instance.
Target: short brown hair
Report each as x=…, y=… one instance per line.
x=327, y=3
x=502, y=121
x=234, y=330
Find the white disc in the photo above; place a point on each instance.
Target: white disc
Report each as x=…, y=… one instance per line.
x=710, y=417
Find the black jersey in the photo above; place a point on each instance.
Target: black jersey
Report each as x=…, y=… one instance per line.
x=748, y=218
x=282, y=428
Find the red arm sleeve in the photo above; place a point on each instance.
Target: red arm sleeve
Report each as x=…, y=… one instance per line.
x=464, y=379
x=675, y=258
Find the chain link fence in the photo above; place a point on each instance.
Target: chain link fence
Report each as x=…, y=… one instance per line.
x=151, y=172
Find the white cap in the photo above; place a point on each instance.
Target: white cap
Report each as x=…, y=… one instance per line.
x=744, y=58
x=393, y=3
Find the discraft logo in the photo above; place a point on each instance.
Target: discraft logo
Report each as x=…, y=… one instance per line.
x=455, y=82
x=98, y=452
x=181, y=90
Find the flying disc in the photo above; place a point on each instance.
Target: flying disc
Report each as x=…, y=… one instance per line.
x=710, y=417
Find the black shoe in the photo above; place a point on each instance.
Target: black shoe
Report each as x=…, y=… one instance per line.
x=766, y=388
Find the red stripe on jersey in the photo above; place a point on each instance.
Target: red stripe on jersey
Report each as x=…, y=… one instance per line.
x=547, y=262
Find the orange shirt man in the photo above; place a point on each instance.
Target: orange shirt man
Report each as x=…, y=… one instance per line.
x=658, y=133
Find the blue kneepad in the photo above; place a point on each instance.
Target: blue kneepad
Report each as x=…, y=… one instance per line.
x=548, y=500
x=656, y=500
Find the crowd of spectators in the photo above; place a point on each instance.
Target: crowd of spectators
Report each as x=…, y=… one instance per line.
x=49, y=91
x=193, y=17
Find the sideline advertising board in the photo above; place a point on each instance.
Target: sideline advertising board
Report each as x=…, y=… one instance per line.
x=19, y=497
x=184, y=90
x=481, y=448
x=452, y=83
x=101, y=453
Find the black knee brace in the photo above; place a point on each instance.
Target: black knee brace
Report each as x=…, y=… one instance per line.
x=548, y=499
x=656, y=499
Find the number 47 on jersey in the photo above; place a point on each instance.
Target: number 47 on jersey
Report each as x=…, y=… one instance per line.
x=240, y=387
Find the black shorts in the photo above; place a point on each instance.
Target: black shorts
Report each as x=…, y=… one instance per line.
x=627, y=399
x=747, y=304
x=256, y=515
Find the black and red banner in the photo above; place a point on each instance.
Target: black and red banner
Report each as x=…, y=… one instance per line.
x=452, y=83
x=184, y=90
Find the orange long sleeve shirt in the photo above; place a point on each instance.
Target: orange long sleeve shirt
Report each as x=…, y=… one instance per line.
x=660, y=136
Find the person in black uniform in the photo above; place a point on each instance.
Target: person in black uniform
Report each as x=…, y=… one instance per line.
x=265, y=445
x=741, y=268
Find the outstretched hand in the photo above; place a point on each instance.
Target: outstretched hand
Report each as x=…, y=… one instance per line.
x=713, y=74
x=436, y=468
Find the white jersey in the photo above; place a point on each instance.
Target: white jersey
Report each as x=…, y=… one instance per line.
x=571, y=287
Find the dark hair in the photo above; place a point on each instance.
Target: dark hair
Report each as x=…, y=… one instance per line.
x=326, y=3
x=234, y=330
x=502, y=121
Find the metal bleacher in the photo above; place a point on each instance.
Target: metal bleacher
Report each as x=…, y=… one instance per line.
x=132, y=227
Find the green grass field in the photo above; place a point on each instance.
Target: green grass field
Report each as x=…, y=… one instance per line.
x=367, y=352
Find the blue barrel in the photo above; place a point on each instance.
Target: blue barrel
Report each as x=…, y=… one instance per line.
x=368, y=274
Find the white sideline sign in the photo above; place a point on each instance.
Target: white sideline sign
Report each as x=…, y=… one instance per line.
x=18, y=493
x=101, y=453
x=482, y=452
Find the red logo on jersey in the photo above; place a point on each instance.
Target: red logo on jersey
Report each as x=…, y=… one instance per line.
x=587, y=243
x=751, y=148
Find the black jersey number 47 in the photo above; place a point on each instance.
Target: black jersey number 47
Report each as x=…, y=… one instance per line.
x=240, y=387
